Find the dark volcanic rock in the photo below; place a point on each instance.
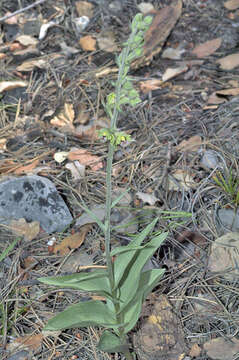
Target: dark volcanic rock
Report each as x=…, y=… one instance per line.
x=33, y=198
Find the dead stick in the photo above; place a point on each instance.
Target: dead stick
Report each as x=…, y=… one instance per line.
x=21, y=10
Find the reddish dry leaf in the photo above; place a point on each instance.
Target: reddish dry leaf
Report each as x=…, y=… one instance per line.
x=85, y=158
x=192, y=144
x=25, y=169
x=22, y=228
x=229, y=62
x=149, y=85
x=207, y=48
x=88, y=43
x=232, y=4
x=28, y=342
x=72, y=241
x=9, y=85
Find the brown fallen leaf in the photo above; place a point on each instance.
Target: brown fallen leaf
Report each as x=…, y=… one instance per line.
x=9, y=85
x=231, y=4
x=88, y=43
x=77, y=170
x=72, y=241
x=106, y=42
x=85, y=158
x=215, y=99
x=229, y=62
x=195, y=351
x=192, y=144
x=84, y=8
x=28, y=342
x=172, y=72
x=27, y=40
x=184, y=178
x=163, y=22
x=207, y=48
x=149, y=85
x=232, y=91
x=22, y=228
x=65, y=118
x=29, y=65
x=26, y=169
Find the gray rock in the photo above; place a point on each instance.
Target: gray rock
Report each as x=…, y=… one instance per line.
x=227, y=220
x=33, y=198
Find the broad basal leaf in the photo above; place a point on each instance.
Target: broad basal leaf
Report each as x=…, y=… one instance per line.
x=96, y=281
x=129, y=283
x=85, y=313
x=123, y=260
x=148, y=280
x=110, y=342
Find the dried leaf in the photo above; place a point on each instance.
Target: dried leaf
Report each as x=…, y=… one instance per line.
x=215, y=99
x=22, y=228
x=232, y=91
x=27, y=40
x=106, y=42
x=147, y=198
x=72, y=241
x=26, y=169
x=28, y=342
x=172, y=72
x=192, y=144
x=88, y=43
x=207, y=48
x=84, y=8
x=65, y=118
x=85, y=158
x=9, y=85
x=195, y=351
x=184, y=179
x=77, y=170
x=29, y=65
x=145, y=7
x=149, y=85
x=232, y=4
x=60, y=156
x=229, y=62
x=44, y=29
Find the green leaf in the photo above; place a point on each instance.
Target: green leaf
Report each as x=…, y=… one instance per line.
x=110, y=342
x=148, y=280
x=9, y=248
x=97, y=281
x=123, y=249
x=122, y=261
x=128, y=286
x=85, y=313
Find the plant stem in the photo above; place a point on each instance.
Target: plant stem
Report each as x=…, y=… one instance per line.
x=108, y=213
